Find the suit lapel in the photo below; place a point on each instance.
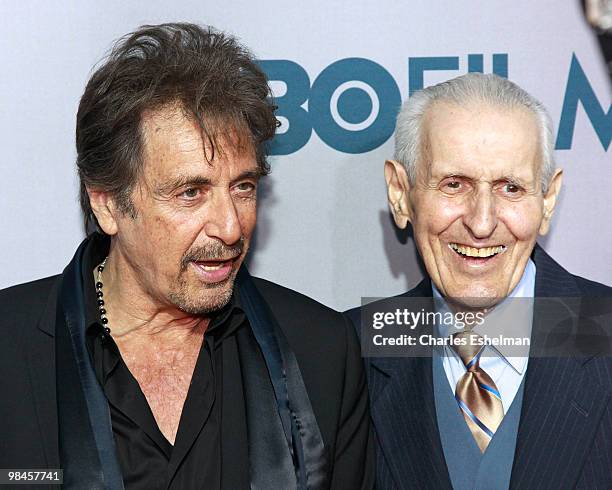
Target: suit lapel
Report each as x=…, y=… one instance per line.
x=41, y=361
x=563, y=402
x=296, y=417
x=562, y=408
x=87, y=449
x=404, y=416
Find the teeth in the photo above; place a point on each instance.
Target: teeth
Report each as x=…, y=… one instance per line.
x=212, y=267
x=477, y=252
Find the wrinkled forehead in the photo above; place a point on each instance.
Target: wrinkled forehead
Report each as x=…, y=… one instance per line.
x=177, y=147
x=213, y=136
x=480, y=138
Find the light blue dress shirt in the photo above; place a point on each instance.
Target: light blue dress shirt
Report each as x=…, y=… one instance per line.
x=501, y=363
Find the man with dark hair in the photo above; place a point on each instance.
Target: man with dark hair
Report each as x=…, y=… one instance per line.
x=155, y=360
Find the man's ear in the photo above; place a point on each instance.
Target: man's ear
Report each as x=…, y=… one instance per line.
x=104, y=208
x=550, y=200
x=398, y=188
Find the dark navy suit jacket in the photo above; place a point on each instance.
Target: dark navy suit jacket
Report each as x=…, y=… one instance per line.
x=565, y=430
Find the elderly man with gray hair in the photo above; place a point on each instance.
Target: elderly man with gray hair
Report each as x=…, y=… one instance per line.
x=474, y=175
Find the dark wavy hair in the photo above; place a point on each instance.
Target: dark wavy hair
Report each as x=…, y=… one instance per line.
x=211, y=77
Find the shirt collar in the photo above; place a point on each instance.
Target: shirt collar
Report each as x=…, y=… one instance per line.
x=520, y=316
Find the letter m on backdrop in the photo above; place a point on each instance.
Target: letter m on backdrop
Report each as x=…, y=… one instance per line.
x=579, y=90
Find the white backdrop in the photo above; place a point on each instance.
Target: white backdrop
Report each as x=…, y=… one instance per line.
x=324, y=228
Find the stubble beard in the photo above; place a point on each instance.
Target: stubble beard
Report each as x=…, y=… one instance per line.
x=205, y=298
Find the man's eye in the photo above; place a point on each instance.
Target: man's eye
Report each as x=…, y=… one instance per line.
x=452, y=185
x=245, y=187
x=191, y=193
x=512, y=189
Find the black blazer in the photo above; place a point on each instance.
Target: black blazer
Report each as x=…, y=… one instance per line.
x=565, y=430
x=324, y=343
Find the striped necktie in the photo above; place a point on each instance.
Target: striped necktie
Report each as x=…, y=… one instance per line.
x=476, y=393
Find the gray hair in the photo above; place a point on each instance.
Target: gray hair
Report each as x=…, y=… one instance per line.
x=491, y=89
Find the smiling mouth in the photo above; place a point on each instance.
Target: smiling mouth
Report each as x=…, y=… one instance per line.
x=477, y=253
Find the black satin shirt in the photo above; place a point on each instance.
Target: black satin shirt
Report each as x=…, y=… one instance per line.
x=210, y=449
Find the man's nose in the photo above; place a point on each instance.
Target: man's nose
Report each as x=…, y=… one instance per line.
x=222, y=219
x=481, y=214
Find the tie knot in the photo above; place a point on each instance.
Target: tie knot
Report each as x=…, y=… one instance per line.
x=467, y=345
